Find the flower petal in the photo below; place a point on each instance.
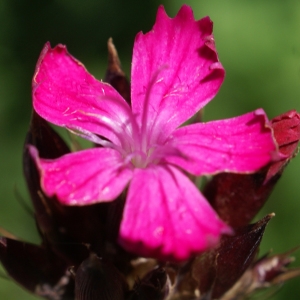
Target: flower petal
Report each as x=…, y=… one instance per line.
x=65, y=94
x=240, y=144
x=175, y=70
x=165, y=216
x=84, y=177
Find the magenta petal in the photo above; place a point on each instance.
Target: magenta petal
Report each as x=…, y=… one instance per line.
x=84, y=177
x=175, y=68
x=166, y=217
x=65, y=94
x=240, y=144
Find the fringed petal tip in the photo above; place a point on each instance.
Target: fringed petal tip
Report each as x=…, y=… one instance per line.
x=217, y=66
x=57, y=54
x=40, y=59
x=194, y=72
x=58, y=49
x=185, y=13
x=34, y=153
x=205, y=28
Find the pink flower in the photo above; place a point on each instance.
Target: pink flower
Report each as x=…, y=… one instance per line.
x=175, y=72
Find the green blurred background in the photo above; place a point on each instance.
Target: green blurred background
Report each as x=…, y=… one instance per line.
x=258, y=43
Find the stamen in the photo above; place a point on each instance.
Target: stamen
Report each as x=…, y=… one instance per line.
x=127, y=129
x=90, y=137
x=138, y=159
x=145, y=132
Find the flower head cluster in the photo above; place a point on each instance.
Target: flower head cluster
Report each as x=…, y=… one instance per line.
x=175, y=73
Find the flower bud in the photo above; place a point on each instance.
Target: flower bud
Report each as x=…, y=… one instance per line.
x=96, y=279
x=154, y=286
x=114, y=73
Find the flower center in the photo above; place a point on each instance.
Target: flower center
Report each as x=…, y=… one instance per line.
x=141, y=160
x=137, y=134
x=138, y=146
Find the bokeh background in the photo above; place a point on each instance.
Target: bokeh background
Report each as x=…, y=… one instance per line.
x=258, y=43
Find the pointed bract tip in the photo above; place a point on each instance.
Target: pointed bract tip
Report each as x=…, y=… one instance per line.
x=114, y=64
